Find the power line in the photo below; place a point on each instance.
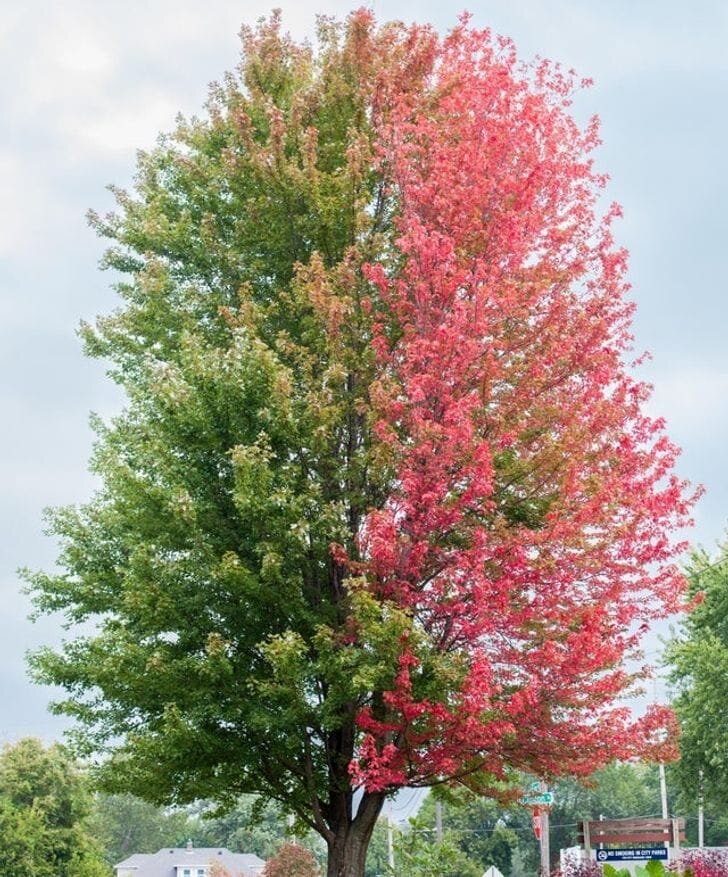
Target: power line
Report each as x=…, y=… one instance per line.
x=401, y=807
x=722, y=561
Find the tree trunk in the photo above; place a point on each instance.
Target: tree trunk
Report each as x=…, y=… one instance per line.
x=347, y=858
x=348, y=846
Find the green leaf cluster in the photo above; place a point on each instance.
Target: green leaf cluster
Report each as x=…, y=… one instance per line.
x=219, y=660
x=122, y=825
x=44, y=801
x=417, y=856
x=654, y=868
x=698, y=660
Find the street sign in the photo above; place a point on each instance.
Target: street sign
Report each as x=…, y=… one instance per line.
x=541, y=799
x=536, y=823
x=631, y=854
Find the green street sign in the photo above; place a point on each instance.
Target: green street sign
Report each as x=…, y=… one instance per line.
x=544, y=799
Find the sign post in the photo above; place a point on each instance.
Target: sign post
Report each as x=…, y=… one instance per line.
x=545, y=845
x=540, y=799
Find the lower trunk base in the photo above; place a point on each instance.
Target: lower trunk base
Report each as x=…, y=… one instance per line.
x=347, y=861
x=349, y=839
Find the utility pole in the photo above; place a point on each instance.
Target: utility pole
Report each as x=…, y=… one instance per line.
x=663, y=798
x=438, y=821
x=390, y=840
x=663, y=783
x=544, y=840
x=663, y=791
x=701, y=814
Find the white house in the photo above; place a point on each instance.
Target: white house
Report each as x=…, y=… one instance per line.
x=189, y=861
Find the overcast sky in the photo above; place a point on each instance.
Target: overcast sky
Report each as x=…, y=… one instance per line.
x=84, y=84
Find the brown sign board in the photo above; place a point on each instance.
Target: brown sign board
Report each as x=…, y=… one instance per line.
x=632, y=831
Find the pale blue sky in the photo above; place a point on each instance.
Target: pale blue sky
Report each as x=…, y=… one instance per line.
x=83, y=84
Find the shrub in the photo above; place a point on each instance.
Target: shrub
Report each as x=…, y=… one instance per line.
x=292, y=860
x=705, y=863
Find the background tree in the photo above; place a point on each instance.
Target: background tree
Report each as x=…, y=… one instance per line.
x=478, y=826
x=43, y=802
x=416, y=855
x=616, y=792
x=490, y=834
x=378, y=851
x=254, y=825
x=698, y=661
x=383, y=507
x=292, y=860
x=124, y=824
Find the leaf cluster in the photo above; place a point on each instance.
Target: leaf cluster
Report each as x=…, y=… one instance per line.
x=44, y=801
x=697, y=657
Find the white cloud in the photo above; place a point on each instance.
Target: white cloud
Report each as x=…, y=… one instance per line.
x=25, y=206
x=613, y=41
x=79, y=51
x=693, y=399
x=131, y=122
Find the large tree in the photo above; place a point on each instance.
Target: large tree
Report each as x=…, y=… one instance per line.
x=383, y=508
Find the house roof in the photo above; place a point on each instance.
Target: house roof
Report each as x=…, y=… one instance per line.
x=165, y=862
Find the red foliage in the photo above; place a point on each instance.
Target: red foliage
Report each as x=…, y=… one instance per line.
x=575, y=866
x=291, y=860
x=530, y=528
x=704, y=863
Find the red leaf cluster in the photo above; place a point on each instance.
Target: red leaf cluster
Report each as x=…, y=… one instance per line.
x=292, y=860
x=530, y=530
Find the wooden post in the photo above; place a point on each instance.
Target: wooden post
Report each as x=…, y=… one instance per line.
x=587, y=838
x=676, y=836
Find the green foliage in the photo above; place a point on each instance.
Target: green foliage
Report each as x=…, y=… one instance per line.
x=478, y=826
x=219, y=665
x=44, y=801
x=377, y=852
x=698, y=658
x=610, y=871
x=123, y=825
x=490, y=834
x=252, y=826
x=418, y=855
x=654, y=868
